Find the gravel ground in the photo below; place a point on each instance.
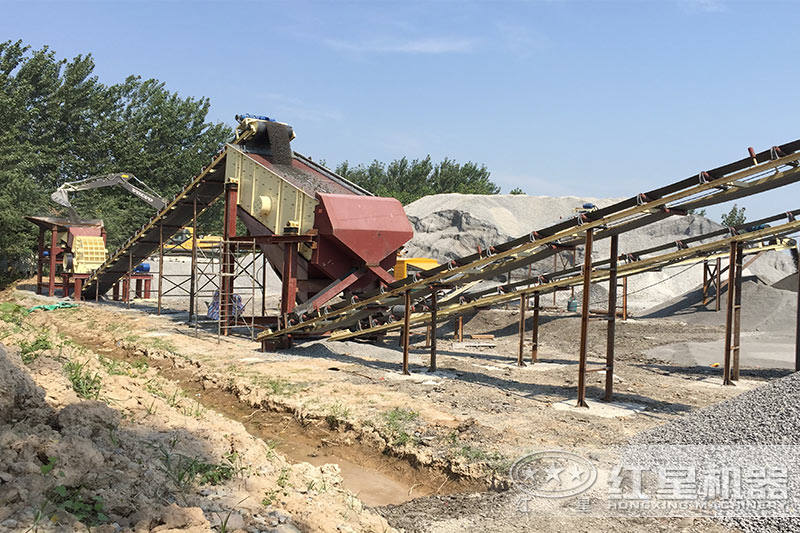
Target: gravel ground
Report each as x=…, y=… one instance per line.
x=767, y=415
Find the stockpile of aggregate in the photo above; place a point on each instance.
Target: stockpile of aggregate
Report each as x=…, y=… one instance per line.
x=447, y=226
x=768, y=416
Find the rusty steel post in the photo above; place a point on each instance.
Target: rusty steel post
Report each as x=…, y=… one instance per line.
x=625, y=298
x=587, y=280
x=461, y=328
x=574, y=260
x=719, y=283
x=127, y=290
x=226, y=304
x=263, y=283
x=555, y=269
x=192, y=282
x=406, y=328
x=521, y=351
x=160, y=263
x=737, y=312
x=289, y=282
x=535, y=329
x=612, y=318
x=705, y=282
x=797, y=320
x=97, y=291
x=726, y=369
x=40, y=261
x=434, y=311
x=51, y=288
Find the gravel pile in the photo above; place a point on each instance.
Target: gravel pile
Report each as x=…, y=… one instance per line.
x=454, y=225
x=768, y=415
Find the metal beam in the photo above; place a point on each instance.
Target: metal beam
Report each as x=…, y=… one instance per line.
x=587, y=280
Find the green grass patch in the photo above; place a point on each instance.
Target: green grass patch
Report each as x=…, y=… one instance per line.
x=12, y=313
x=88, y=509
x=30, y=350
x=397, y=421
x=85, y=383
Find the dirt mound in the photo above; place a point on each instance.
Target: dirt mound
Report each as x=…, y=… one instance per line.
x=453, y=225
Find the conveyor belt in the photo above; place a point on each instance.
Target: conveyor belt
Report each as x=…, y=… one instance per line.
x=682, y=256
x=206, y=187
x=764, y=171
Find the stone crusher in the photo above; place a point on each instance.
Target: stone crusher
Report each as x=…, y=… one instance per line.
x=323, y=235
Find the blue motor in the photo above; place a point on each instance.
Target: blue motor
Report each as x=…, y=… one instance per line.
x=142, y=268
x=257, y=117
x=589, y=205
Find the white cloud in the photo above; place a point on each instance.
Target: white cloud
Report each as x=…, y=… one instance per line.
x=521, y=40
x=707, y=6
x=288, y=108
x=433, y=45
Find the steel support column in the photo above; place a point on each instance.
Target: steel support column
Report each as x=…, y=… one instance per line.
x=587, y=280
x=192, y=280
x=405, y=334
x=51, y=286
x=520, y=352
x=39, y=261
x=625, y=298
x=705, y=282
x=227, y=310
x=460, y=327
x=726, y=367
x=797, y=320
x=737, y=312
x=612, y=317
x=719, y=283
x=434, y=310
x=160, y=264
x=289, y=282
x=535, y=329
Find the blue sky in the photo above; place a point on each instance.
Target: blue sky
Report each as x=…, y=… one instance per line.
x=557, y=97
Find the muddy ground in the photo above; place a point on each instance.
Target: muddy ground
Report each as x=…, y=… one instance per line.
x=429, y=452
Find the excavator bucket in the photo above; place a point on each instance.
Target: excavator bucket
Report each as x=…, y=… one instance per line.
x=61, y=198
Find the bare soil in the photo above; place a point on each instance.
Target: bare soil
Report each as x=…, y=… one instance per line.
x=429, y=452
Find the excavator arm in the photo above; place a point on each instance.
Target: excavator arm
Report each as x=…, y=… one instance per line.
x=61, y=195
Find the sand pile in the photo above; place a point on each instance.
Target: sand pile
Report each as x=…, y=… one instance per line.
x=764, y=308
x=454, y=225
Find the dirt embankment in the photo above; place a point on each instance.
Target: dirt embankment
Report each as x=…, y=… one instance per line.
x=89, y=440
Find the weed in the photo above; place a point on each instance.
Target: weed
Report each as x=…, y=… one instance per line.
x=12, y=313
x=49, y=466
x=164, y=345
x=140, y=365
x=336, y=413
x=283, y=478
x=494, y=460
x=397, y=421
x=29, y=351
x=152, y=409
x=270, y=497
x=87, y=509
x=271, y=445
x=184, y=471
x=84, y=382
x=278, y=386
x=195, y=410
x=114, y=367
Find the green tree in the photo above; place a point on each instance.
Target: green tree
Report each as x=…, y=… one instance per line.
x=734, y=217
x=59, y=123
x=516, y=190
x=408, y=180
